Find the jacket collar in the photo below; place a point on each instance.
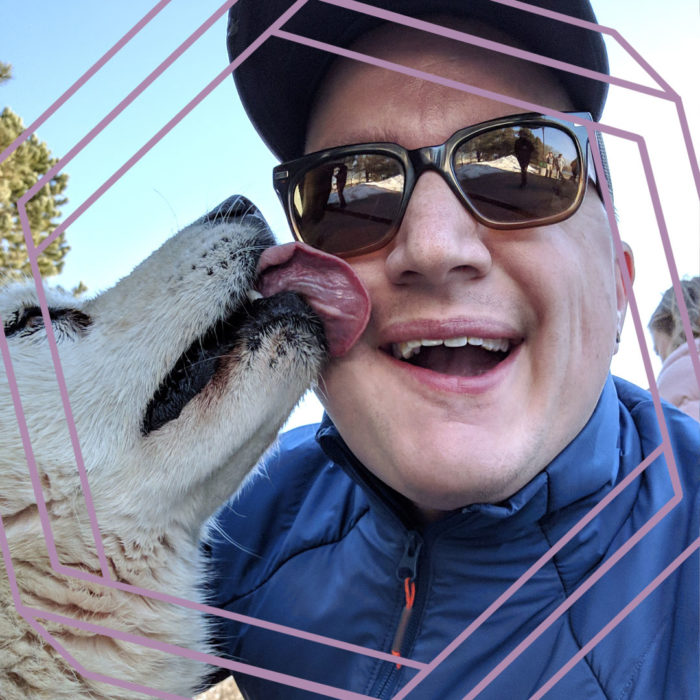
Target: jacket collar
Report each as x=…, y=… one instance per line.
x=589, y=464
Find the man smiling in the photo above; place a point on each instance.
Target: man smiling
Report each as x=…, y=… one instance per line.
x=543, y=293
x=475, y=421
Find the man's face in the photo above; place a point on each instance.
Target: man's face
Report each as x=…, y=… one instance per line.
x=441, y=439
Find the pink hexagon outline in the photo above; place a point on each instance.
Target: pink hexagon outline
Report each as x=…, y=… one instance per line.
x=394, y=17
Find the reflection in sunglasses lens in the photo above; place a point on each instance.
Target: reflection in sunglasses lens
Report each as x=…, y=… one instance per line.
x=349, y=203
x=519, y=173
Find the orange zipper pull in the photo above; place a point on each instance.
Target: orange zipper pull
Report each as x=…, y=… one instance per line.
x=407, y=572
x=410, y=588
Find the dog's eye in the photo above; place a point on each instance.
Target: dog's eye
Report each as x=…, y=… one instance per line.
x=28, y=320
x=25, y=321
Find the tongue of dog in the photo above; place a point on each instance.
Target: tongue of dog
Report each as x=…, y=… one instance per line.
x=328, y=284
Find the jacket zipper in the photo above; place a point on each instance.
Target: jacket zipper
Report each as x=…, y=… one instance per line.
x=406, y=573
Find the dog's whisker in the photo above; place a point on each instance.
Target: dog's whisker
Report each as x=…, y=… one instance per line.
x=215, y=527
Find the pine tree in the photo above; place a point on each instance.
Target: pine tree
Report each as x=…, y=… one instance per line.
x=18, y=173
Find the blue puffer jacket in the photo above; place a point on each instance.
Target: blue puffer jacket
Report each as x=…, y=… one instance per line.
x=318, y=544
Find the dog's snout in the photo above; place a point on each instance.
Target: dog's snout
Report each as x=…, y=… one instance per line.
x=238, y=208
x=235, y=207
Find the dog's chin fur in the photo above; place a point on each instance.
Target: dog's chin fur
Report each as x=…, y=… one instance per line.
x=153, y=485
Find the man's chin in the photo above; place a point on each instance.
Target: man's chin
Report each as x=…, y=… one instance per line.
x=446, y=488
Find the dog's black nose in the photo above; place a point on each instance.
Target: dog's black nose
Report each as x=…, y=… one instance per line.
x=235, y=207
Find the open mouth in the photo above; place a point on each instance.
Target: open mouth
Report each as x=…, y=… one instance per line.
x=225, y=341
x=459, y=356
x=193, y=370
x=328, y=284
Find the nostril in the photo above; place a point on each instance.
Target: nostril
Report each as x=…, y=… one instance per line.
x=235, y=209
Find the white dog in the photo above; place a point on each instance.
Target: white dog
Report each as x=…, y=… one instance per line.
x=178, y=380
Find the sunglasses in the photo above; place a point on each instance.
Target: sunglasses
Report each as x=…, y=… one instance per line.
x=513, y=172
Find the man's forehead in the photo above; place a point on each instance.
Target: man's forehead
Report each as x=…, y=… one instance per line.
x=390, y=105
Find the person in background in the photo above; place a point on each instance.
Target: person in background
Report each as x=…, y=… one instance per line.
x=550, y=163
x=523, y=152
x=560, y=166
x=677, y=382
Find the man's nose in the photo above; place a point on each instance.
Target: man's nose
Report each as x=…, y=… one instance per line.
x=438, y=239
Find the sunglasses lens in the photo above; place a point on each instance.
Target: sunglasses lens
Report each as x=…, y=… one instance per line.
x=348, y=204
x=519, y=174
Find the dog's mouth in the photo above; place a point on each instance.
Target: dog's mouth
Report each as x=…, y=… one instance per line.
x=193, y=370
x=307, y=289
x=328, y=284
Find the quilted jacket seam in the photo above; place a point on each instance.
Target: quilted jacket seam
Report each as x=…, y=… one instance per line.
x=574, y=636
x=283, y=562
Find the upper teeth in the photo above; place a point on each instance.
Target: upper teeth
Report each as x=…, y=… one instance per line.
x=412, y=347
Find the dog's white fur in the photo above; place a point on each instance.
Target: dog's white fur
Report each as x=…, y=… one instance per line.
x=152, y=492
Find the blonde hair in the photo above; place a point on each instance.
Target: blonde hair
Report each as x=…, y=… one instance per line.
x=667, y=319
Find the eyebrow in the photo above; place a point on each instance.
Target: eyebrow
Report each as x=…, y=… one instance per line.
x=370, y=135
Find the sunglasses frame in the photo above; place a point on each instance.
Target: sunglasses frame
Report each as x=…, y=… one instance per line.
x=286, y=176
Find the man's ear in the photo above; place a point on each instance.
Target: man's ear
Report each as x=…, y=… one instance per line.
x=628, y=260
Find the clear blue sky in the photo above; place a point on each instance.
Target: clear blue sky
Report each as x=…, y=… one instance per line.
x=214, y=152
